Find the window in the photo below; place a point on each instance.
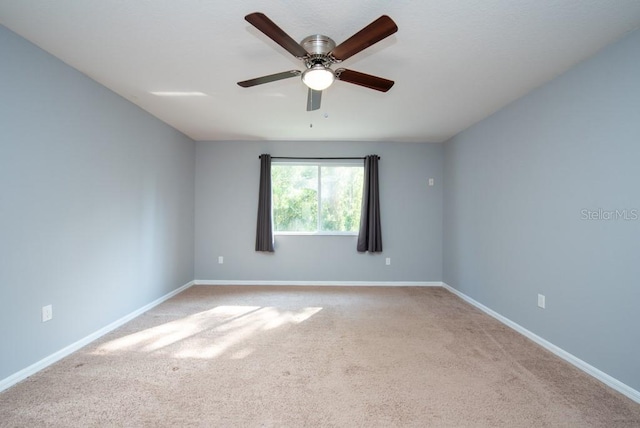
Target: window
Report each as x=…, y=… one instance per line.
x=312, y=198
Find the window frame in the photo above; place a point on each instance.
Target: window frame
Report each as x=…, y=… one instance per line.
x=319, y=164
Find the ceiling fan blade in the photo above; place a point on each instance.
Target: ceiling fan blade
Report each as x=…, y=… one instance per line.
x=379, y=29
x=313, y=99
x=270, y=78
x=275, y=33
x=366, y=80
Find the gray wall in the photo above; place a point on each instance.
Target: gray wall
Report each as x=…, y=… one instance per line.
x=96, y=206
x=516, y=185
x=227, y=177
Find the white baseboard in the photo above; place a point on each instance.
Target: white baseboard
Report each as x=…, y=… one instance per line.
x=585, y=367
x=47, y=361
x=322, y=283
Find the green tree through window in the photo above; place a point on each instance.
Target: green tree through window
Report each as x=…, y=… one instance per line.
x=316, y=198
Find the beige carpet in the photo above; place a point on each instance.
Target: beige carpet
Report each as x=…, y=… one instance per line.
x=314, y=357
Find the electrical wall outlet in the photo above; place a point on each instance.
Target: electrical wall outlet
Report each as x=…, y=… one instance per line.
x=388, y=261
x=220, y=260
x=47, y=313
x=541, y=301
x=431, y=182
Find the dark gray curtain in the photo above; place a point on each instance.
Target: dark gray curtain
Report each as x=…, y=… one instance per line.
x=264, y=231
x=370, y=234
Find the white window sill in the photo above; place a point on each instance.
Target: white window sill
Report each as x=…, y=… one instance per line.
x=316, y=233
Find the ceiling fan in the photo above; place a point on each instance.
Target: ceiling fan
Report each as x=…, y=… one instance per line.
x=319, y=52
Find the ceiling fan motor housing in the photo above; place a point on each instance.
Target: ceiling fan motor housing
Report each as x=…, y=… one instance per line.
x=318, y=44
x=318, y=47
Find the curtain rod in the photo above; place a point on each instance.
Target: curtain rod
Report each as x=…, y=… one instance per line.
x=307, y=158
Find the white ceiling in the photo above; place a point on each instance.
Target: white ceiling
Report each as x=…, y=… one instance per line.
x=454, y=62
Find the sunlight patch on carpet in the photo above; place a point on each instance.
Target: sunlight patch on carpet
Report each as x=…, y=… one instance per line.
x=208, y=334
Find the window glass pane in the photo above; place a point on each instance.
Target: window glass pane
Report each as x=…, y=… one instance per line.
x=295, y=197
x=341, y=196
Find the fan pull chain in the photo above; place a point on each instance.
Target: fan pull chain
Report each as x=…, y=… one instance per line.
x=325, y=115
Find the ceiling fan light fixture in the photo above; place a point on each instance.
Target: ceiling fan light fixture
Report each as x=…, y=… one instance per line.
x=318, y=77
